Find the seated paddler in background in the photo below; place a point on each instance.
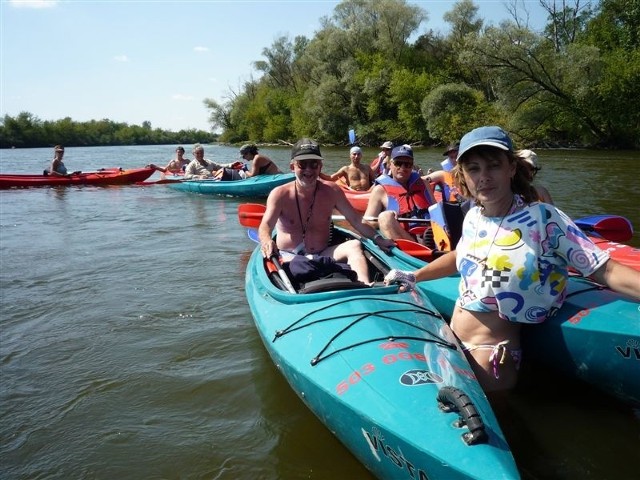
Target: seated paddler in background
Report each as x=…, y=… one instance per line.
x=356, y=176
x=443, y=179
x=260, y=164
x=380, y=164
x=175, y=165
x=202, y=168
x=531, y=161
x=58, y=167
x=301, y=210
x=401, y=194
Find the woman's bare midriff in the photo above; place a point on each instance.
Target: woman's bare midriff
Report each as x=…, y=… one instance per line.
x=487, y=328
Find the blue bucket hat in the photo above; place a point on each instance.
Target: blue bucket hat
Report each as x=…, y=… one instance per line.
x=402, y=151
x=490, y=136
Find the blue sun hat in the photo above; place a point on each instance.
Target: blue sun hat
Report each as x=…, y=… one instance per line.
x=490, y=136
x=402, y=151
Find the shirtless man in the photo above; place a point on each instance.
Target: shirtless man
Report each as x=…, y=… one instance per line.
x=175, y=165
x=301, y=212
x=357, y=176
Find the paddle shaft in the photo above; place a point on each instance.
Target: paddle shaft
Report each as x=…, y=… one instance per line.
x=283, y=274
x=375, y=219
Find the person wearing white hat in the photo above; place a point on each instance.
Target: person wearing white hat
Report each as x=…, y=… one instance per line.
x=380, y=164
x=356, y=175
x=531, y=161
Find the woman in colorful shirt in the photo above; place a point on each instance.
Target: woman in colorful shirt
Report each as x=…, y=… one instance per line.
x=513, y=259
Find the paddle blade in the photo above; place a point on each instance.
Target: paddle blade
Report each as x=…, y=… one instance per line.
x=352, y=136
x=612, y=227
x=414, y=249
x=250, y=214
x=252, y=233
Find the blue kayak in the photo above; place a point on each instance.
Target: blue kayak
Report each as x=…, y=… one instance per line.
x=594, y=337
x=258, y=186
x=382, y=370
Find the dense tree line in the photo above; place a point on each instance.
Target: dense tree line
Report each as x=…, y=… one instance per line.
x=575, y=83
x=26, y=130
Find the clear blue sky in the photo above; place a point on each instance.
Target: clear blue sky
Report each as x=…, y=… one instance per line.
x=132, y=60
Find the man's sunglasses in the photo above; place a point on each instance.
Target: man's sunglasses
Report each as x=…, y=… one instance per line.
x=304, y=164
x=400, y=163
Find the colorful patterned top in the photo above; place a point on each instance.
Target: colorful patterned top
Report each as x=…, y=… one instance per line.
x=518, y=264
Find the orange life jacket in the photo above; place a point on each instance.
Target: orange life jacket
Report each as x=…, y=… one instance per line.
x=410, y=202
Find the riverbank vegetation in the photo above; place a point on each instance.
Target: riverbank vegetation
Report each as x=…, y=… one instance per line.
x=371, y=69
x=26, y=131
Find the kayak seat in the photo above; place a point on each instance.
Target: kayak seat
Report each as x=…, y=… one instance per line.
x=336, y=281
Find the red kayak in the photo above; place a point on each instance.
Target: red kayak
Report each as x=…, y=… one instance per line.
x=105, y=176
x=357, y=198
x=625, y=254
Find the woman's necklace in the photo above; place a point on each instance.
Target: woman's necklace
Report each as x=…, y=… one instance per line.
x=483, y=261
x=306, y=223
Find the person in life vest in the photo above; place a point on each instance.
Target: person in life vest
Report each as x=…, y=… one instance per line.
x=444, y=179
x=402, y=194
x=380, y=164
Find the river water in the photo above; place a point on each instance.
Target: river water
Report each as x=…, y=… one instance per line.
x=127, y=349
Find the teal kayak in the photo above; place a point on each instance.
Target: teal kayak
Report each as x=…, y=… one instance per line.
x=383, y=372
x=258, y=186
x=594, y=337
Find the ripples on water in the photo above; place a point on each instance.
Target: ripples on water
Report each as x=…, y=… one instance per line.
x=128, y=351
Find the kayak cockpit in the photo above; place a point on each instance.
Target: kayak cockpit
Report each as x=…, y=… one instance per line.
x=335, y=280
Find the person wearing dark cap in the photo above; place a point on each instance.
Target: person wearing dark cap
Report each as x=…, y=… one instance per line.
x=260, y=164
x=444, y=179
x=380, y=164
x=175, y=165
x=301, y=212
x=356, y=175
x=513, y=258
x=402, y=193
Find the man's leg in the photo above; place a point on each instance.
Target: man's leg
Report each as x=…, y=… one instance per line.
x=351, y=252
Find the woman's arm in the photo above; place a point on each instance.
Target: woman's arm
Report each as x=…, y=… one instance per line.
x=619, y=278
x=441, y=267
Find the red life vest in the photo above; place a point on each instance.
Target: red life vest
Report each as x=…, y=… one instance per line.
x=410, y=202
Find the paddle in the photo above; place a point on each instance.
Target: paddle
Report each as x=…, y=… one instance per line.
x=611, y=227
x=415, y=249
x=352, y=136
x=375, y=219
x=159, y=182
x=250, y=215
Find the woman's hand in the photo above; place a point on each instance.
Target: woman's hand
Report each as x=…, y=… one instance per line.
x=407, y=280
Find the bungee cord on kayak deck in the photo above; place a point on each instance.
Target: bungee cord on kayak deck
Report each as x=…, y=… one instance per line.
x=381, y=314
